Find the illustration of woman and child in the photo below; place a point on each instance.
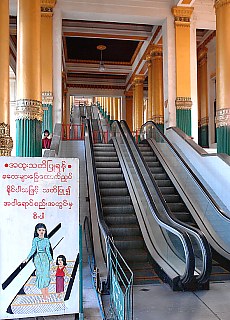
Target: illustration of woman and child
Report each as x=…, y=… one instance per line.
x=42, y=254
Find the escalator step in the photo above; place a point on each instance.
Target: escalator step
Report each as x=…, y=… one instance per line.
x=128, y=242
x=177, y=207
x=121, y=209
x=168, y=190
x=108, y=170
x=106, y=164
x=115, y=200
x=110, y=177
x=112, y=184
x=172, y=198
x=135, y=255
x=105, y=153
x=125, y=230
x=114, y=191
x=183, y=216
x=160, y=176
x=147, y=153
x=164, y=183
x=156, y=170
x=105, y=159
x=121, y=219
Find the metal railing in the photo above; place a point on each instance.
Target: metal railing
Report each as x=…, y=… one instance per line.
x=73, y=132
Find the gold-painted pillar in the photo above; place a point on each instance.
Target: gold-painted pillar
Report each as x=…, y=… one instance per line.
x=139, y=101
x=115, y=108
x=157, y=80
x=6, y=142
x=182, y=17
x=222, y=75
x=47, y=62
x=129, y=109
x=149, y=112
x=111, y=108
x=29, y=111
x=202, y=83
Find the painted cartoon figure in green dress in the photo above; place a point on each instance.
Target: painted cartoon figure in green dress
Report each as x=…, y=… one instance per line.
x=42, y=256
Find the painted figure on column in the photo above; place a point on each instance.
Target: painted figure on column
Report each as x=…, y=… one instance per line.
x=42, y=254
x=46, y=141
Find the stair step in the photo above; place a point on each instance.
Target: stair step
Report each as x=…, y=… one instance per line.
x=125, y=230
x=110, y=177
x=108, y=170
x=121, y=219
x=112, y=184
x=121, y=209
x=107, y=164
x=114, y=200
x=105, y=159
x=128, y=242
x=114, y=191
x=172, y=198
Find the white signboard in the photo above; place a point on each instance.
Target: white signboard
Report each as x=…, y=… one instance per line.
x=39, y=237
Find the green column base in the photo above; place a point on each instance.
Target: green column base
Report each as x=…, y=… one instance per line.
x=203, y=136
x=47, y=122
x=223, y=139
x=28, y=138
x=183, y=120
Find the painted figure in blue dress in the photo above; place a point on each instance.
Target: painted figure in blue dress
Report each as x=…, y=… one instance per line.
x=42, y=256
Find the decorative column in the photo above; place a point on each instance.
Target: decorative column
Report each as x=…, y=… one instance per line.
x=139, y=101
x=222, y=76
x=47, y=62
x=202, y=83
x=6, y=142
x=157, y=80
x=129, y=109
x=149, y=112
x=115, y=107
x=29, y=111
x=182, y=17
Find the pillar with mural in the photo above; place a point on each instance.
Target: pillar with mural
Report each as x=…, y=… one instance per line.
x=222, y=76
x=29, y=111
x=182, y=16
x=202, y=83
x=157, y=80
x=47, y=62
x=6, y=142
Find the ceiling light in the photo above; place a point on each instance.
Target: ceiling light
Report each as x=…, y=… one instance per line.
x=101, y=67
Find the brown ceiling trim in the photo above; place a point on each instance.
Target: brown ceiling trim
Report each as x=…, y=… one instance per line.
x=106, y=25
x=103, y=36
x=140, y=44
x=144, y=55
x=207, y=40
x=121, y=63
x=96, y=75
x=94, y=86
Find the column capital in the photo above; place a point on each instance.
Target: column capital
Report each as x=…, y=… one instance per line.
x=221, y=3
x=47, y=7
x=156, y=50
x=182, y=15
x=138, y=79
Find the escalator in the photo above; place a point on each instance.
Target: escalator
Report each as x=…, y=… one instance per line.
x=178, y=207
x=136, y=223
x=119, y=214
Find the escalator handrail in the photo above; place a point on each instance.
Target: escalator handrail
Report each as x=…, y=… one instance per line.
x=102, y=223
x=190, y=261
x=197, y=180
x=199, y=235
